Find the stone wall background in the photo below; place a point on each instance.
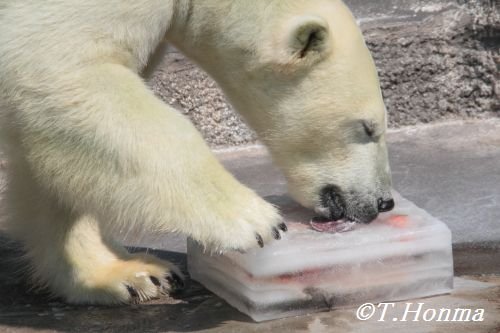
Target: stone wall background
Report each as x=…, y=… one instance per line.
x=437, y=60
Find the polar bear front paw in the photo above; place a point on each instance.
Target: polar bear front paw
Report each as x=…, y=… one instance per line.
x=243, y=222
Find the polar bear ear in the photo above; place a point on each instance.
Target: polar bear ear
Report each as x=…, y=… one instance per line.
x=308, y=35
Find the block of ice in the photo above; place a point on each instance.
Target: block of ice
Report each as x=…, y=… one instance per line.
x=403, y=254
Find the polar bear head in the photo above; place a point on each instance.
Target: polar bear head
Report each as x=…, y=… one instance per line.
x=301, y=75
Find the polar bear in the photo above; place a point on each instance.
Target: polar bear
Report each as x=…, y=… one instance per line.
x=93, y=153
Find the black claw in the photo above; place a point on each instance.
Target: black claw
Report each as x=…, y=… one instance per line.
x=259, y=240
x=155, y=281
x=283, y=226
x=133, y=293
x=276, y=233
x=175, y=281
x=179, y=280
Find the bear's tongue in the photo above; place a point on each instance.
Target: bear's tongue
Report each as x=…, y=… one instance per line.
x=324, y=225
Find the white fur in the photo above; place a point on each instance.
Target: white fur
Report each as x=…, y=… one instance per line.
x=92, y=152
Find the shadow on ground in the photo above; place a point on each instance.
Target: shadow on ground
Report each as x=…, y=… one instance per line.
x=21, y=307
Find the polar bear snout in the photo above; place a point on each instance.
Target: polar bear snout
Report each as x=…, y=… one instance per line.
x=336, y=204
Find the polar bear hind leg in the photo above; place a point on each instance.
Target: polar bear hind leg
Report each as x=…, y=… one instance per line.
x=69, y=254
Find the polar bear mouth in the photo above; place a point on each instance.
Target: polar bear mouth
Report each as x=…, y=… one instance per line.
x=336, y=212
x=332, y=205
x=323, y=224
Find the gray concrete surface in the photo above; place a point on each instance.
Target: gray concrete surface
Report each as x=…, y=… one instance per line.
x=199, y=311
x=450, y=169
x=437, y=59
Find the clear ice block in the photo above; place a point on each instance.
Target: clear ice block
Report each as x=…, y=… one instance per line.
x=403, y=254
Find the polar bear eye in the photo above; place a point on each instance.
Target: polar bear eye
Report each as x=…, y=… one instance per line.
x=370, y=128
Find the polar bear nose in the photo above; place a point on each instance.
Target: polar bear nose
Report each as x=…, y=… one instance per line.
x=385, y=205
